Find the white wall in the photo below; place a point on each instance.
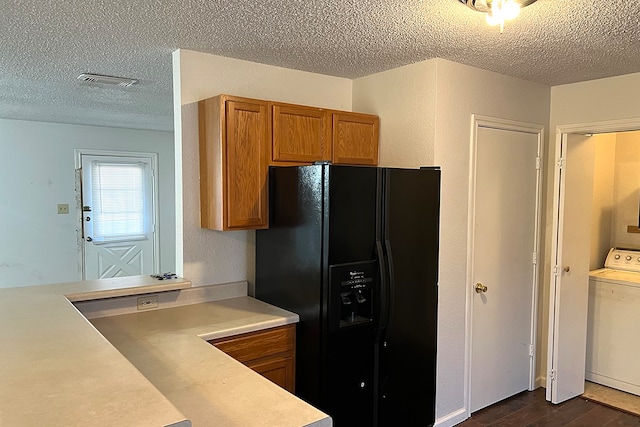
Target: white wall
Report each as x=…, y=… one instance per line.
x=38, y=245
x=212, y=257
x=425, y=111
x=405, y=100
x=603, y=204
x=616, y=194
x=626, y=190
x=613, y=98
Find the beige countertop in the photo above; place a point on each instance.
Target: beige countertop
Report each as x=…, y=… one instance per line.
x=57, y=370
x=205, y=384
x=86, y=290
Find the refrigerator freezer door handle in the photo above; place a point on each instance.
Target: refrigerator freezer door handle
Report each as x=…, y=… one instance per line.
x=384, y=292
x=391, y=282
x=382, y=324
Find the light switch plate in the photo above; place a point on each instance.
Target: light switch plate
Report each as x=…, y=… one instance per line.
x=63, y=209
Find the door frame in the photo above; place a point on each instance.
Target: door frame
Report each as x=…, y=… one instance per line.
x=508, y=125
x=77, y=154
x=561, y=132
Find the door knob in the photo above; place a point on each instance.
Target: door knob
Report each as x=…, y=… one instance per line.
x=480, y=288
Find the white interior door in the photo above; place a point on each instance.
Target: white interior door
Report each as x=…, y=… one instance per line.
x=569, y=294
x=505, y=241
x=118, y=216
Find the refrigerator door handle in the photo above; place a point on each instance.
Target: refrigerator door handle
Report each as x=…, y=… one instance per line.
x=384, y=292
x=391, y=287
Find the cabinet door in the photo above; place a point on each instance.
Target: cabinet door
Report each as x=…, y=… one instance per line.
x=300, y=134
x=280, y=371
x=269, y=352
x=355, y=139
x=246, y=162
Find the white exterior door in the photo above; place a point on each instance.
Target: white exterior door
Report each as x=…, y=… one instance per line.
x=118, y=215
x=504, y=259
x=569, y=294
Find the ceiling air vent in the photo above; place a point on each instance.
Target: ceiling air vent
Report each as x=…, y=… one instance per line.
x=107, y=80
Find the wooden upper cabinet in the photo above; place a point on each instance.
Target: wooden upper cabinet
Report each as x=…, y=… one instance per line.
x=241, y=137
x=300, y=134
x=234, y=157
x=355, y=138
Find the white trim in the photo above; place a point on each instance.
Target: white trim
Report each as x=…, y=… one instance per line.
x=509, y=125
x=556, y=230
x=469, y=295
x=177, y=152
x=452, y=419
x=607, y=126
x=505, y=124
x=79, y=152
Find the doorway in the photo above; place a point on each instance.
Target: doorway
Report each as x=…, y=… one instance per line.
x=117, y=204
x=569, y=266
x=504, y=206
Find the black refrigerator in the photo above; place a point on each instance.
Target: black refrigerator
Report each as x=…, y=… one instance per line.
x=353, y=250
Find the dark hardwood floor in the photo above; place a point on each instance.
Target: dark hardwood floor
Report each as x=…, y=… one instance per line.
x=530, y=408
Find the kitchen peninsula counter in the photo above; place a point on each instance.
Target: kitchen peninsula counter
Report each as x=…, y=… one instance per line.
x=205, y=384
x=151, y=368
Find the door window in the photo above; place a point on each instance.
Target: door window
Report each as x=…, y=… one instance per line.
x=118, y=201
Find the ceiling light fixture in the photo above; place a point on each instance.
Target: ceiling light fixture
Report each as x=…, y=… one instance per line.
x=498, y=11
x=107, y=80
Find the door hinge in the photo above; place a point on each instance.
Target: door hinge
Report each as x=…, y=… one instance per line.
x=535, y=258
x=532, y=350
x=552, y=374
x=561, y=163
x=538, y=163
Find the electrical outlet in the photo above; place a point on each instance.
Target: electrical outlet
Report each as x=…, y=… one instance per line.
x=63, y=209
x=147, y=302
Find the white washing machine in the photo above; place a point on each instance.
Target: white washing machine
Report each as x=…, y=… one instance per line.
x=613, y=322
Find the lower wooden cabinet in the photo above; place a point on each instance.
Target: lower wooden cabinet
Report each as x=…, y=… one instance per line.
x=269, y=352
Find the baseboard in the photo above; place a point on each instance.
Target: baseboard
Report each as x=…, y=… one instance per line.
x=452, y=418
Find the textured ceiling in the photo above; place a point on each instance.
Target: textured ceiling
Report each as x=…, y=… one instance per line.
x=47, y=43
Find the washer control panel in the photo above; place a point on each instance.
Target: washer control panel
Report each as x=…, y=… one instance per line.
x=623, y=259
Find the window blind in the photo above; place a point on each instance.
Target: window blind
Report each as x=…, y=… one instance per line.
x=118, y=201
